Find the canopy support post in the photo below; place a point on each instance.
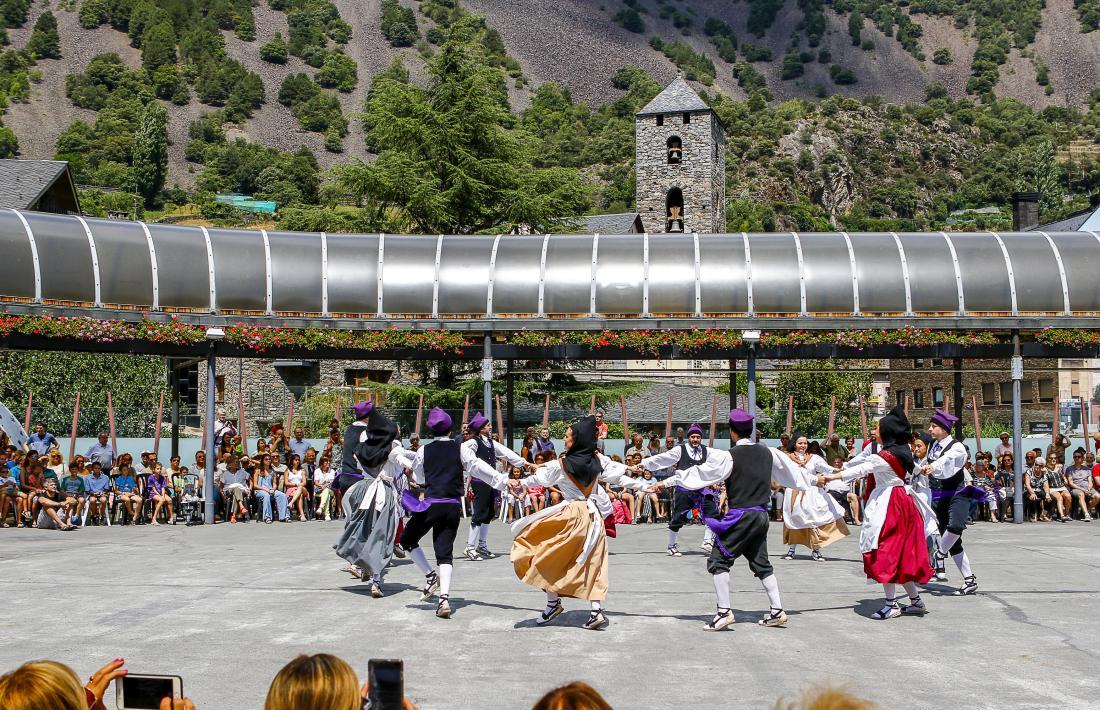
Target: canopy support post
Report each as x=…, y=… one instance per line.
x=1017, y=434
x=510, y=391
x=750, y=373
x=211, y=449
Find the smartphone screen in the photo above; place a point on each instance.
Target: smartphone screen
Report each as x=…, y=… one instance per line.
x=144, y=692
x=386, y=683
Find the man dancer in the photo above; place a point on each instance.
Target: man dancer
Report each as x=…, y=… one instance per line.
x=481, y=446
x=946, y=470
x=438, y=467
x=748, y=470
x=681, y=457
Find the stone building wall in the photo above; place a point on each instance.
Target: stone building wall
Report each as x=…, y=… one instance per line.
x=1037, y=390
x=700, y=175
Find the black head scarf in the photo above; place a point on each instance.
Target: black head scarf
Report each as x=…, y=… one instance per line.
x=381, y=431
x=580, y=459
x=897, y=434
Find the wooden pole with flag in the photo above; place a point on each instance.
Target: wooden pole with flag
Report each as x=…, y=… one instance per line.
x=500, y=421
x=242, y=423
x=713, y=418
x=466, y=413
x=977, y=422
x=832, y=418
x=546, y=411
x=72, y=435
x=592, y=406
x=27, y=419
x=419, y=415
x=862, y=419
x=626, y=426
x=668, y=419
x=111, y=423
x=160, y=422
x=790, y=414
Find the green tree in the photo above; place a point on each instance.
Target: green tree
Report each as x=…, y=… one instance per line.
x=1047, y=178
x=398, y=24
x=855, y=27
x=9, y=144
x=158, y=46
x=813, y=385
x=150, y=156
x=448, y=156
x=45, y=42
x=275, y=50
x=338, y=72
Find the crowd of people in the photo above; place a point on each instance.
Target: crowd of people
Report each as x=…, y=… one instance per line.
x=284, y=477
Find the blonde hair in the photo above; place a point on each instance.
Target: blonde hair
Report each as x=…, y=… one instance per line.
x=318, y=682
x=42, y=685
x=826, y=698
x=575, y=696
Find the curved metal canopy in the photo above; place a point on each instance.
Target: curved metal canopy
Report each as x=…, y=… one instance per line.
x=51, y=263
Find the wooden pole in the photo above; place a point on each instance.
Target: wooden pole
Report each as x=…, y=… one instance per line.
x=288, y=429
x=72, y=435
x=713, y=418
x=832, y=419
x=546, y=411
x=1057, y=425
x=977, y=422
x=862, y=419
x=160, y=421
x=668, y=419
x=592, y=406
x=626, y=426
x=500, y=421
x=27, y=419
x=336, y=409
x=111, y=423
x=790, y=414
x=242, y=425
x=466, y=412
x=906, y=407
x=1085, y=421
x=419, y=415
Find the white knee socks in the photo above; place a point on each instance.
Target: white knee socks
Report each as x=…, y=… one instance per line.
x=722, y=589
x=963, y=563
x=596, y=605
x=483, y=535
x=708, y=535
x=888, y=591
x=771, y=586
x=551, y=601
x=421, y=561
x=445, y=579
x=912, y=591
x=672, y=535
x=471, y=539
x=947, y=540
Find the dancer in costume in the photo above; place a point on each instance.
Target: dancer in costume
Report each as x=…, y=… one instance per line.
x=562, y=549
x=951, y=498
x=482, y=447
x=896, y=518
x=747, y=469
x=680, y=457
x=922, y=442
x=370, y=506
x=810, y=515
x=438, y=466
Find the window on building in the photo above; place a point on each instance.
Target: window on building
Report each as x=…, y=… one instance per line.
x=674, y=210
x=1046, y=390
x=675, y=150
x=219, y=387
x=716, y=157
x=989, y=394
x=918, y=363
x=937, y=362
x=1006, y=391
x=660, y=120
x=687, y=118
x=937, y=396
x=355, y=375
x=900, y=394
x=918, y=398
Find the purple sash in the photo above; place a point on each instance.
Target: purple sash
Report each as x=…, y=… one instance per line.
x=732, y=517
x=972, y=492
x=414, y=505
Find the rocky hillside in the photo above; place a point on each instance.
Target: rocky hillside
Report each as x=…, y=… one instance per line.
x=1034, y=50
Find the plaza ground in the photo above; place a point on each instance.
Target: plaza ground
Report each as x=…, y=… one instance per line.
x=226, y=606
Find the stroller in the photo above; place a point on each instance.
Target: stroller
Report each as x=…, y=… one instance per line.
x=189, y=507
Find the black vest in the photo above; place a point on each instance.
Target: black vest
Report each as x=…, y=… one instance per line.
x=686, y=461
x=750, y=482
x=443, y=469
x=946, y=484
x=486, y=453
x=348, y=462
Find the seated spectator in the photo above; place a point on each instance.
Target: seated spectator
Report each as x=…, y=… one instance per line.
x=126, y=491
x=850, y=445
x=842, y=492
x=1036, y=491
x=543, y=444
x=1006, y=486
x=49, y=685
x=158, y=492
x=298, y=444
x=318, y=682
x=513, y=503
x=1079, y=483
x=102, y=452
x=1058, y=491
x=73, y=488
x=32, y=485
x=10, y=493
x=264, y=489
x=56, y=464
x=1003, y=447
x=983, y=479
x=655, y=507
x=41, y=441
x=295, y=484
x=826, y=698
x=144, y=465
x=575, y=696
x=323, y=477
x=654, y=446
x=834, y=450
x=98, y=491
x=235, y=489
x=1057, y=448
x=54, y=508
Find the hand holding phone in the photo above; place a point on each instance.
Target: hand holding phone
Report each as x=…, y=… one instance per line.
x=387, y=683
x=146, y=692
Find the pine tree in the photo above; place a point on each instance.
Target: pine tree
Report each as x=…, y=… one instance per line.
x=158, y=46
x=150, y=152
x=45, y=43
x=855, y=27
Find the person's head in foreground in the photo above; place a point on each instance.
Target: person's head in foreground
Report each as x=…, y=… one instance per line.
x=575, y=696
x=318, y=682
x=826, y=699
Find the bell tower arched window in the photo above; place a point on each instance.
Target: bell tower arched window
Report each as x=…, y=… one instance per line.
x=675, y=150
x=674, y=210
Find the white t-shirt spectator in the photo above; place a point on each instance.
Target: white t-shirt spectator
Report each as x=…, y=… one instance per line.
x=1000, y=450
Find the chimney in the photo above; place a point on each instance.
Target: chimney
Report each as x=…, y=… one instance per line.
x=1025, y=211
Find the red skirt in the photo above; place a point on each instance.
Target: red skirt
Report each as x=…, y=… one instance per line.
x=902, y=553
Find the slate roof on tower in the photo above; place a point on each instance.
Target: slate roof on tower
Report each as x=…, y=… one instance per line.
x=676, y=98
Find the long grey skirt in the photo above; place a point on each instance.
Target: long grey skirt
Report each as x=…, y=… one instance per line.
x=368, y=536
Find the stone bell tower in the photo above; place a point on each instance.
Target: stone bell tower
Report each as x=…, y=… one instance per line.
x=680, y=163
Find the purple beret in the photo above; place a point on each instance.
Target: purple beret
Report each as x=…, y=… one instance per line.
x=362, y=409
x=695, y=429
x=439, y=421
x=740, y=416
x=478, y=422
x=945, y=420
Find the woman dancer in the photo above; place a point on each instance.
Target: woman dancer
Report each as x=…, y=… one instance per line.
x=371, y=508
x=562, y=549
x=896, y=520
x=921, y=486
x=811, y=517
